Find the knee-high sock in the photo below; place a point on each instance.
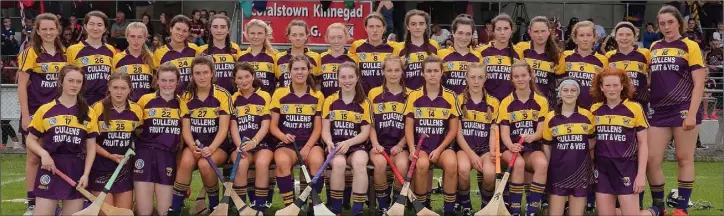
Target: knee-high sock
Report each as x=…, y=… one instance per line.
x=516, y=195
x=657, y=195
x=241, y=191
x=213, y=194
x=464, y=198
x=286, y=189
x=486, y=197
x=335, y=201
x=383, y=196
x=448, y=201
x=270, y=190
x=179, y=194
x=358, y=202
x=685, y=188
x=31, y=198
x=250, y=185
x=261, y=195
x=536, y=193
x=347, y=189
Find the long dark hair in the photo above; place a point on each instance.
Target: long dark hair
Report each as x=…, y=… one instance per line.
x=559, y=103
x=425, y=36
x=38, y=41
x=359, y=92
x=179, y=19
x=227, y=41
x=98, y=14
x=83, y=108
x=463, y=19
x=466, y=93
x=245, y=66
x=107, y=100
x=310, y=79
x=200, y=60
x=674, y=12
x=506, y=18
x=551, y=48
x=394, y=59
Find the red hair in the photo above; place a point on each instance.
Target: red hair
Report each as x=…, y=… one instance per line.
x=598, y=95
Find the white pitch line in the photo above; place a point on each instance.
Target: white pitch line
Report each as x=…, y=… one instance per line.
x=13, y=181
x=15, y=200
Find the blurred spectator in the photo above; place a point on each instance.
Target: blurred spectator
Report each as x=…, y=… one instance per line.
x=386, y=8
x=650, y=35
x=204, y=14
x=212, y=13
x=10, y=46
x=163, y=28
x=710, y=84
x=719, y=34
x=715, y=62
x=439, y=34
x=609, y=43
x=693, y=33
x=143, y=7
x=146, y=20
x=75, y=28
x=487, y=35
x=570, y=45
x=223, y=13
x=392, y=37
x=118, y=30
x=600, y=33
x=67, y=37
x=156, y=43
x=448, y=42
x=28, y=28
x=8, y=132
x=197, y=28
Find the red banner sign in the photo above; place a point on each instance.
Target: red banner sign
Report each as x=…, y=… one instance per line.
x=279, y=14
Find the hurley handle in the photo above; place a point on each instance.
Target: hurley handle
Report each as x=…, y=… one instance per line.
x=515, y=155
x=325, y=164
x=236, y=161
x=398, y=176
x=496, y=150
x=211, y=163
x=128, y=154
x=65, y=178
x=417, y=152
x=299, y=161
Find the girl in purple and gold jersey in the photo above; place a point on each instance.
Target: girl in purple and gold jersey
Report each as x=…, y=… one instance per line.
x=371, y=52
x=251, y=121
x=459, y=55
x=158, y=141
x=118, y=118
x=38, y=71
x=433, y=110
x=677, y=86
x=260, y=53
x=521, y=117
x=223, y=51
x=388, y=134
x=297, y=33
x=632, y=59
x=346, y=125
x=67, y=127
x=296, y=120
x=478, y=112
x=94, y=56
x=583, y=62
x=416, y=48
x=136, y=60
x=337, y=37
x=204, y=130
x=568, y=138
x=542, y=53
x=178, y=51
x=621, y=149
x=498, y=56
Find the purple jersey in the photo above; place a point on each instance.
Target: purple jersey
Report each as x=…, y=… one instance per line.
x=296, y=114
x=369, y=59
x=181, y=59
x=62, y=133
x=497, y=63
x=329, y=66
x=263, y=63
x=43, y=72
x=224, y=60
x=116, y=132
x=141, y=72
x=616, y=129
x=161, y=122
x=544, y=68
x=413, y=56
x=432, y=116
x=636, y=66
x=476, y=119
x=568, y=137
x=671, y=66
x=581, y=68
x=204, y=114
x=388, y=112
x=96, y=63
x=282, y=67
x=522, y=117
x=455, y=68
x=346, y=120
x=250, y=112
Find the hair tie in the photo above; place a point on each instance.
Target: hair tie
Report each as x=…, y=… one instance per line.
x=568, y=82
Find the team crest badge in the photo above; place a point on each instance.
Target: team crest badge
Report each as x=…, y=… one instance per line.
x=362, y=56
x=45, y=179
x=139, y=164
x=569, y=66
x=679, y=53
x=85, y=60
x=331, y=115
x=52, y=121
x=357, y=116
x=554, y=131
x=381, y=107
x=486, y=60
x=450, y=66
x=258, y=109
x=641, y=67
x=535, y=113
x=44, y=67
x=324, y=67
x=104, y=125
x=152, y=112
x=314, y=107
x=418, y=112
x=626, y=181
x=124, y=69
x=684, y=113
x=445, y=113
x=283, y=67
x=513, y=116
x=285, y=108
x=595, y=174
x=612, y=64
x=169, y=171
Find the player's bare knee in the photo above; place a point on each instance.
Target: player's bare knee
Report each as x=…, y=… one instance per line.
x=423, y=164
x=339, y=164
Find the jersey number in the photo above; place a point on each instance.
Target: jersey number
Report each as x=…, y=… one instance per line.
x=120, y=126
x=166, y=114
x=202, y=113
x=99, y=60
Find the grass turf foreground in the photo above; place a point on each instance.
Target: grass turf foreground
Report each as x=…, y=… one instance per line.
x=708, y=187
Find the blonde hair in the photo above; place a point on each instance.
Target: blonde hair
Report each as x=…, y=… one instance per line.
x=267, y=31
x=531, y=73
x=466, y=92
x=581, y=25
x=145, y=51
x=339, y=26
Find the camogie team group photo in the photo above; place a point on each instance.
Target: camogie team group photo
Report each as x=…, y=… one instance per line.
x=372, y=126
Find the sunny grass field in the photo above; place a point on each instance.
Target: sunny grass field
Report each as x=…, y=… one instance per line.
x=708, y=187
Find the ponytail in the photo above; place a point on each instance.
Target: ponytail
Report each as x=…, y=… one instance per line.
x=227, y=41
x=425, y=35
x=82, y=104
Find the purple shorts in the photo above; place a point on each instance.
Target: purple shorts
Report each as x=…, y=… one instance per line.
x=354, y=148
x=124, y=181
x=154, y=165
x=263, y=146
x=616, y=175
x=576, y=192
x=671, y=117
x=50, y=186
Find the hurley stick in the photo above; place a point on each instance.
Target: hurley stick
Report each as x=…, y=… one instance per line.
x=234, y=196
x=496, y=206
x=399, y=207
x=95, y=207
x=105, y=207
x=223, y=208
x=294, y=208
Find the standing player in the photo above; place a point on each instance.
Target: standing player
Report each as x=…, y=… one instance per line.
x=416, y=48
x=158, y=141
x=433, y=110
x=178, y=51
x=583, y=62
x=677, y=86
x=223, y=51
x=136, y=60
x=458, y=57
x=388, y=105
x=542, y=53
x=207, y=121
x=568, y=137
x=498, y=56
x=520, y=117
x=346, y=125
x=251, y=121
x=337, y=37
x=298, y=34
x=632, y=59
x=478, y=112
x=94, y=56
x=371, y=52
x=260, y=53
x=68, y=128
x=38, y=71
x=118, y=118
